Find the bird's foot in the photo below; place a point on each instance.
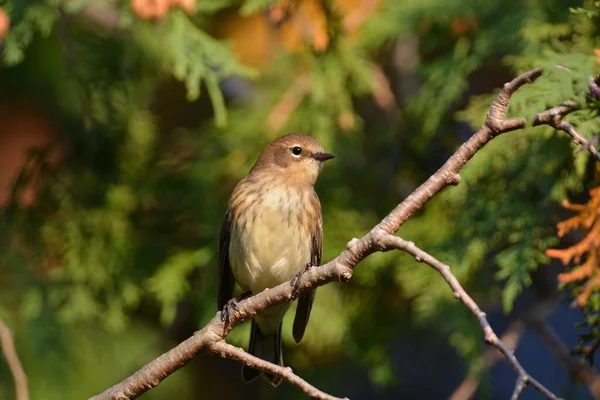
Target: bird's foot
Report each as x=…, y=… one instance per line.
x=231, y=305
x=295, y=282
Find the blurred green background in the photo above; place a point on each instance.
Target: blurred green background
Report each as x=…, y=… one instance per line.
x=124, y=126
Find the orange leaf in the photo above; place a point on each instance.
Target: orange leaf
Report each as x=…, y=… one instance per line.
x=4, y=23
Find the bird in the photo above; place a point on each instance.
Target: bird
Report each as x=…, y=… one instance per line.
x=272, y=232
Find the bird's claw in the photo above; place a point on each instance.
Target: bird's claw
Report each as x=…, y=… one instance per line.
x=231, y=305
x=296, y=281
x=295, y=285
x=226, y=313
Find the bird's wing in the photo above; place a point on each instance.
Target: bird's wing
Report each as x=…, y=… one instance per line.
x=226, y=279
x=306, y=299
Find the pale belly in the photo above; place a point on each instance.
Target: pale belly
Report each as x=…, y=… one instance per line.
x=268, y=250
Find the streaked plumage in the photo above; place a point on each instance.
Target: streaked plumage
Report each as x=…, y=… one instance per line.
x=272, y=230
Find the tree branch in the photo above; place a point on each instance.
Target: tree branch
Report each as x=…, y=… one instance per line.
x=12, y=359
x=534, y=319
x=225, y=350
x=511, y=338
x=563, y=125
x=289, y=102
x=340, y=269
x=390, y=242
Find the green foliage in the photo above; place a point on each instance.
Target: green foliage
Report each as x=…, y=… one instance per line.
x=538, y=159
x=587, y=12
x=194, y=57
x=26, y=22
x=211, y=7
x=252, y=6
x=125, y=228
x=171, y=281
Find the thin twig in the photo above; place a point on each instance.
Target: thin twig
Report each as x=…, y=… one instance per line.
x=519, y=387
x=300, y=87
x=553, y=117
x=225, y=350
x=510, y=338
x=390, y=242
x=534, y=319
x=14, y=364
x=577, y=138
x=588, y=351
x=341, y=268
x=289, y=102
x=383, y=94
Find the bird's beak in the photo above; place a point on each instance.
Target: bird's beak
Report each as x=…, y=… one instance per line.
x=323, y=156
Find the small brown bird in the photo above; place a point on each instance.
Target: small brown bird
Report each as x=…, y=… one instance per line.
x=272, y=231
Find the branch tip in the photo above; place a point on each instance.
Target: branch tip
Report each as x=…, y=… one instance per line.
x=346, y=275
x=351, y=243
x=454, y=179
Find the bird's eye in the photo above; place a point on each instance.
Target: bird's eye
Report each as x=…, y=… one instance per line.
x=296, y=150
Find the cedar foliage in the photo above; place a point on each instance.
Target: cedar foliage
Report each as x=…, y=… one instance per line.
x=122, y=236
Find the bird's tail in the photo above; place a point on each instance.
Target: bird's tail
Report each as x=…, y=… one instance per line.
x=266, y=347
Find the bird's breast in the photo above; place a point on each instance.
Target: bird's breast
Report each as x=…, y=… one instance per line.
x=271, y=237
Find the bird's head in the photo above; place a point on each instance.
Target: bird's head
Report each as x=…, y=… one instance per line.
x=296, y=157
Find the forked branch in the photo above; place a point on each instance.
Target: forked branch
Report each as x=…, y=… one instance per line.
x=390, y=242
x=380, y=238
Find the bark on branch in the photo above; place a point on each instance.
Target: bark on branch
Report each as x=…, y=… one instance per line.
x=391, y=242
x=380, y=238
x=14, y=364
x=225, y=350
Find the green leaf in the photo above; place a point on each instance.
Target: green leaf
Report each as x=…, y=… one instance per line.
x=252, y=6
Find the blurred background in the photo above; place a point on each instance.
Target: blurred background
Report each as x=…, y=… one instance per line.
x=124, y=126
